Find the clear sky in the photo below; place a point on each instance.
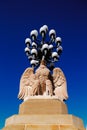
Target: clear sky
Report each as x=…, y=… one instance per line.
x=69, y=19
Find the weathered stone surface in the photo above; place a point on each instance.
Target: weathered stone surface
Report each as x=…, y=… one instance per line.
x=51, y=127
x=46, y=120
x=14, y=127
x=41, y=127
x=68, y=127
x=43, y=114
x=43, y=106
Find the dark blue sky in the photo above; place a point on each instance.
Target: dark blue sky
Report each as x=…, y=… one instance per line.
x=17, y=19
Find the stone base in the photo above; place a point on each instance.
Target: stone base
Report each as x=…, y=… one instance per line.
x=43, y=106
x=54, y=117
x=41, y=127
x=44, y=122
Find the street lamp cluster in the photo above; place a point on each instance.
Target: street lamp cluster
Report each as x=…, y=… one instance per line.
x=37, y=50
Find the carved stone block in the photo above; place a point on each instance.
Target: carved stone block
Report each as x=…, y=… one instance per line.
x=43, y=114
x=43, y=106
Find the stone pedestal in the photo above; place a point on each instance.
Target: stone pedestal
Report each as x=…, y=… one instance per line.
x=43, y=114
x=42, y=106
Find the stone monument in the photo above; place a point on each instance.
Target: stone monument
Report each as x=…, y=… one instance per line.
x=43, y=89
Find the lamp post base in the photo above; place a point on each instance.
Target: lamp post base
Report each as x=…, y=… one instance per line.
x=43, y=114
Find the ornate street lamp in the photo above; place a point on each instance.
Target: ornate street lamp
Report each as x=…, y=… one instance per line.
x=37, y=50
x=42, y=55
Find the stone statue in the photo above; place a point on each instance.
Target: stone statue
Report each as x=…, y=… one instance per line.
x=42, y=82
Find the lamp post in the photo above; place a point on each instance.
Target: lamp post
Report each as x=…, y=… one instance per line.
x=37, y=50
